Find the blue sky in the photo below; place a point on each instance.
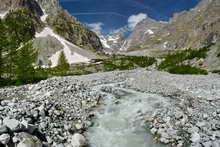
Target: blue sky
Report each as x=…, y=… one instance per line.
x=108, y=15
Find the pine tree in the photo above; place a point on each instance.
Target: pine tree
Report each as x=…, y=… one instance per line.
x=1, y=47
x=19, y=28
x=24, y=69
x=63, y=64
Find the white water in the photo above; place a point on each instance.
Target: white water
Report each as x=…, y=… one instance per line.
x=115, y=125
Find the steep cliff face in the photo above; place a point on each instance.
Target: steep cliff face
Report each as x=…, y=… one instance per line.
x=68, y=26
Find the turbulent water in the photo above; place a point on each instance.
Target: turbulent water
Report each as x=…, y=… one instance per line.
x=117, y=122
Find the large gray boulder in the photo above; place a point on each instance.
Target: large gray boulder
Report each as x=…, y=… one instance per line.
x=27, y=140
x=78, y=140
x=4, y=138
x=12, y=124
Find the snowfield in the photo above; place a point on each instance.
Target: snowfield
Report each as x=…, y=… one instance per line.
x=72, y=57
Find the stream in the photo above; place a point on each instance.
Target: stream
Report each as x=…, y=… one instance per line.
x=118, y=123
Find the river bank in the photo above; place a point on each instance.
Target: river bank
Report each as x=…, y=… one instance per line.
x=63, y=108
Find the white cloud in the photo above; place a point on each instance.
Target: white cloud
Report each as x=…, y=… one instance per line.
x=133, y=20
x=96, y=27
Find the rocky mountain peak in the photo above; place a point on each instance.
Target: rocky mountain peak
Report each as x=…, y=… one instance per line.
x=144, y=29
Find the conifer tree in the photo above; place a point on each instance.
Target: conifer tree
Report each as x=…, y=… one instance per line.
x=1, y=47
x=19, y=30
x=63, y=64
x=24, y=65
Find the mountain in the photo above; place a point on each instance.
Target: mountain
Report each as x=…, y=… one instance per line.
x=114, y=42
x=143, y=30
x=188, y=29
x=55, y=31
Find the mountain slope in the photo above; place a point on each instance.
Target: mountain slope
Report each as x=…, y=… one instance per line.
x=188, y=29
x=58, y=24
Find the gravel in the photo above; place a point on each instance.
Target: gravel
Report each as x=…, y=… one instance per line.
x=57, y=112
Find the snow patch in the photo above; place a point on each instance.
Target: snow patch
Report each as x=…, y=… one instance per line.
x=104, y=43
x=149, y=31
x=71, y=57
x=114, y=39
x=125, y=46
x=3, y=14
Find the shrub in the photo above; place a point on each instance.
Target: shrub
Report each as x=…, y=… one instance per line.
x=186, y=69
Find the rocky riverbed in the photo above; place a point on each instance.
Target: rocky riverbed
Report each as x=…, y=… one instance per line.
x=58, y=111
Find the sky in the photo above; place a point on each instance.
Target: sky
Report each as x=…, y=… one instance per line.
x=106, y=16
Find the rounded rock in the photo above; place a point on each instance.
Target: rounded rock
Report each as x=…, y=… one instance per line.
x=4, y=138
x=78, y=140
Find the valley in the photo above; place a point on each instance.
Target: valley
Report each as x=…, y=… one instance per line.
x=148, y=84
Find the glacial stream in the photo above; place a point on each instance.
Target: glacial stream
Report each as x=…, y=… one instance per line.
x=117, y=123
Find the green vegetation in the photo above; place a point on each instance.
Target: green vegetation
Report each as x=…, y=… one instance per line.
x=216, y=71
x=24, y=69
x=63, y=64
x=112, y=63
x=17, y=56
x=186, y=69
x=173, y=63
x=127, y=62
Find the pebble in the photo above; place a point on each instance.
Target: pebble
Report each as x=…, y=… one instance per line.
x=47, y=106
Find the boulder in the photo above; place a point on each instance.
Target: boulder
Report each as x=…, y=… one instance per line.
x=78, y=140
x=12, y=124
x=3, y=129
x=4, y=139
x=27, y=140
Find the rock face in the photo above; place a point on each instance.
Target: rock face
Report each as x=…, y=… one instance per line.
x=187, y=29
x=143, y=30
x=115, y=41
x=30, y=5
